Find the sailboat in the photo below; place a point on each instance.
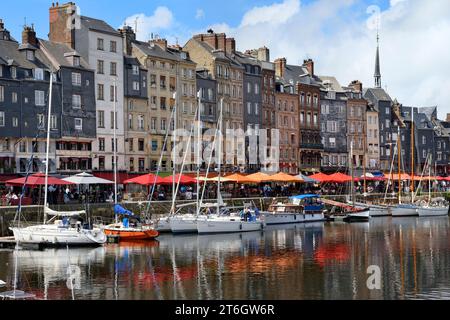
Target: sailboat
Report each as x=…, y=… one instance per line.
x=64, y=228
x=355, y=214
x=433, y=207
x=402, y=209
x=224, y=219
x=123, y=229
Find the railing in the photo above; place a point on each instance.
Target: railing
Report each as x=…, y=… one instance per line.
x=311, y=146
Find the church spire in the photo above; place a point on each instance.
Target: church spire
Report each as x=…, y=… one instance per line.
x=377, y=64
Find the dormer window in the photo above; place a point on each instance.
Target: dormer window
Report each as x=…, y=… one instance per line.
x=1, y=71
x=135, y=70
x=76, y=61
x=30, y=55
x=13, y=72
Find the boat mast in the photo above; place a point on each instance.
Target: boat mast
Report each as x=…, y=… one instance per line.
x=398, y=165
x=365, y=161
x=219, y=124
x=115, y=145
x=174, y=152
x=429, y=179
x=352, y=182
x=198, y=148
x=412, y=155
x=47, y=147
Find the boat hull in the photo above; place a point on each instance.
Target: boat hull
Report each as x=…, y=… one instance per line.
x=379, y=212
x=163, y=225
x=404, y=211
x=52, y=235
x=362, y=215
x=210, y=226
x=183, y=224
x=288, y=218
x=132, y=235
x=433, y=211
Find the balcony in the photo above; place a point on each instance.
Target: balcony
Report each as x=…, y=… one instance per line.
x=315, y=146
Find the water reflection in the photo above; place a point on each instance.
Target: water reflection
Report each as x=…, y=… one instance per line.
x=304, y=261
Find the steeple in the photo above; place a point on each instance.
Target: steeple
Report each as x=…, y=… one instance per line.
x=377, y=65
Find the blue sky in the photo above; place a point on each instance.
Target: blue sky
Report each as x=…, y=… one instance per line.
x=115, y=12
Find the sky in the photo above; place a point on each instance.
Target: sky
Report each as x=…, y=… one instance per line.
x=339, y=35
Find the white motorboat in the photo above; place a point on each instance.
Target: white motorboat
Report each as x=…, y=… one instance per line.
x=433, y=211
x=68, y=231
x=302, y=208
x=360, y=215
x=404, y=210
x=375, y=210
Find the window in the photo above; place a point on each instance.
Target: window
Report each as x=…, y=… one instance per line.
x=424, y=140
x=113, y=119
x=163, y=124
x=101, y=144
x=131, y=144
x=331, y=126
x=78, y=124
x=387, y=123
x=256, y=108
x=132, y=164
x=113, y=145
x=141, y=144
x=130, y=121
x=113, y=69
x=249, y=108
x=424, y=153
x=13, y=72
x=141, y=122
x=256, y=88
x=38, y=74
x=101, y=118
x=2, y=93
x=100, y=92
x=153, y=124
x=387, y=110
x=162, y=82
x=39, y=98
x=76, y=61
x=112, y=93
x=15, y=122
x=53, y=122
x=249, y=87
x=113, y=46
x=2, y=118
x=13, y=97
x=153, y=80
x=76, y=101
x=100, y=44
x=100, y=67
x=136, y=70
x=1, y=71
x=302, y=117
x=316, y=100
x=332, y=142
x=163, y=103
x=141, y=165
x=136, y=86
x=154, y=145
x=101, y=163
x=76, y=79
x=316, y=119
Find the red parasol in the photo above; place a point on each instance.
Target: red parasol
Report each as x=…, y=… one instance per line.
x=181, y=178
x=146, y=180
x=37, y=179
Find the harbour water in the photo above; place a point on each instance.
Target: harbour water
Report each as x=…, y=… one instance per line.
x=305, y=261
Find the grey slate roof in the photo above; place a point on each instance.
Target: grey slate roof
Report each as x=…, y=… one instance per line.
x=98, y=25
x=334, y=84
x=155, y=51
x=379, y=94
x=298, y=74
x=9, y=52
x=430, y=112
x=58, y=51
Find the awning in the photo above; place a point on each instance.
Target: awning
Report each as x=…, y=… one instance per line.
x=284, y=177
x=37, y=179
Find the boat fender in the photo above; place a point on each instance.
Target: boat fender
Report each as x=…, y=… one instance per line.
x=240, y=226
x=295, y=217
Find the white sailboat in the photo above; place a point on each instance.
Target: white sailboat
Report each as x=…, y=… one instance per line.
x=224, y=220
x=68, y=229
x=433, y=207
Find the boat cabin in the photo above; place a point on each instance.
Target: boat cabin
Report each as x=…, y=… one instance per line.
x=306, y=203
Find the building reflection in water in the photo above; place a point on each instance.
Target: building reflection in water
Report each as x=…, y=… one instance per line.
x=304, y=261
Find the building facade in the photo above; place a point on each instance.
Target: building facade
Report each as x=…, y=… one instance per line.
x=373, y=139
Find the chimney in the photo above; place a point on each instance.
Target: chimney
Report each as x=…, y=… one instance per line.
x=62, y=23
x=29, y=36
x=4, y=34
x=309, y=65
x=356, y=85
x=280, y=67
x=230, y=45
x=215, y=40
x=162, y=43
x=448, y=117
x=264, y=54
x=128, y=36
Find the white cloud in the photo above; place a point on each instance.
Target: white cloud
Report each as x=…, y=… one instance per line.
x=414, y=54
x=273, y=14
x=162, y=19
x=200, y=14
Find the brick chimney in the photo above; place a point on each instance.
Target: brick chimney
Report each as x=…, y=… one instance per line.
x=216, y=40
x=62, y=24
x=4, y=34
x=309, y=65
x=264, y=54
x=29, y=36
x=162, y=43
x=280, y=67
x=128, y=36
x=230, y=45
x=356, y=85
